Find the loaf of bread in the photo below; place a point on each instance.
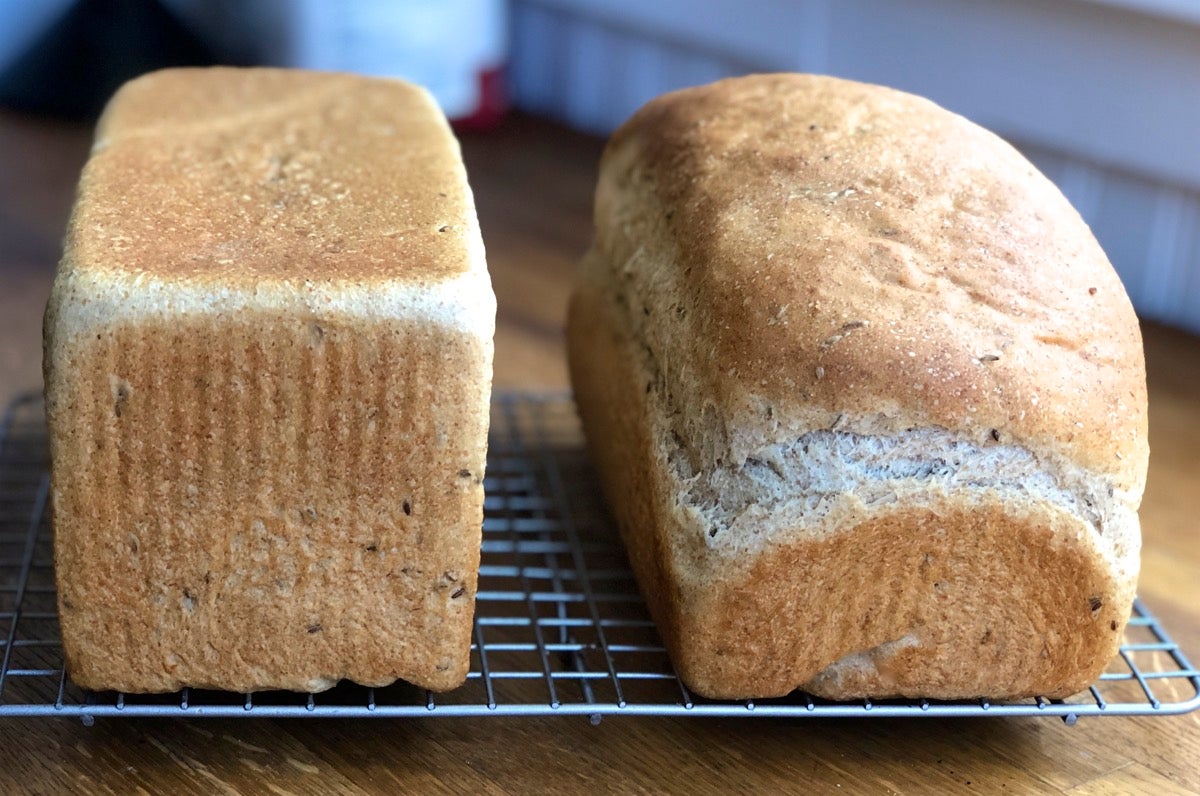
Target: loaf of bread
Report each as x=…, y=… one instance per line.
x=268, y=369
x=865, y=396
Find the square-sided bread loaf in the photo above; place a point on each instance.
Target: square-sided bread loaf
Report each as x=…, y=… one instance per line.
x=866, y=397
x=268, y=367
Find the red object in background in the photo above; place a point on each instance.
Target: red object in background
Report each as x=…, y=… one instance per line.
x=457, y=49
x=493, y=102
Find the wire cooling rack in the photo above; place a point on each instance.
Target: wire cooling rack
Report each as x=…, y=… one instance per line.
x=560, y=628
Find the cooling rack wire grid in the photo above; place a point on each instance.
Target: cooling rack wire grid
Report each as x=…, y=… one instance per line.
x=559, y=628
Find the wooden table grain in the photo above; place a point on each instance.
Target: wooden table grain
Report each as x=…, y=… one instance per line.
x=533, y=183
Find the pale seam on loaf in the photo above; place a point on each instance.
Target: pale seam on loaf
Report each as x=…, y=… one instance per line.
x=811, y=482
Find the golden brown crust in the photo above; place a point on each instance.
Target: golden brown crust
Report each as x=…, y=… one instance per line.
x=267, y=473
x=855, y=248
x=973, y=599
x=605, y=379
x=236, y=176
x=798, y=277
x=254, y=503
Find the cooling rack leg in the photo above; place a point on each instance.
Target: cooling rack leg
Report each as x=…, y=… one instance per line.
x=87, y=719
x=1070, y=719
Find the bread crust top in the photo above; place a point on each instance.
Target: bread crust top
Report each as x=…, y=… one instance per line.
x=848, y=250
x=241, y=177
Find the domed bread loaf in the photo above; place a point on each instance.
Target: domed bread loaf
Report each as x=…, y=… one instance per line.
x=866, y=397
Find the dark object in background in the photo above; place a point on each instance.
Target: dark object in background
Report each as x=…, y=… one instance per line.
x=80, y=60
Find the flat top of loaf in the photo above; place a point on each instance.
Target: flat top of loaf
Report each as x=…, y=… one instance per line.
x=860, y=249
x=246, y=175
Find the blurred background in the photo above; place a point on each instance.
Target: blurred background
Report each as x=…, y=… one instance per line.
x=1104, y=95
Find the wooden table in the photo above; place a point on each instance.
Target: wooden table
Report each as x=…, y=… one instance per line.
x=533, y=184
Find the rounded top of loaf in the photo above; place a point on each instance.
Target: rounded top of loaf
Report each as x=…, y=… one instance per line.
x=243, y=177
x=854, y=252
